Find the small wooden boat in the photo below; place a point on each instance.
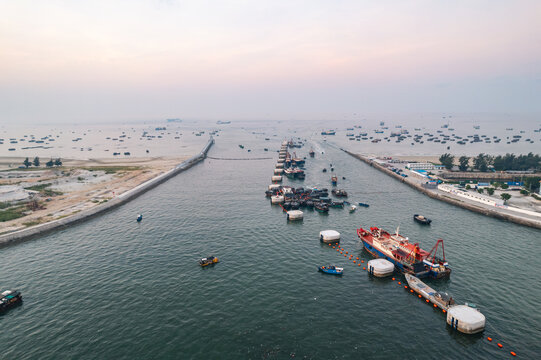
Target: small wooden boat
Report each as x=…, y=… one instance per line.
x=139, y=217
x=337, y=204
x=421, y=219
x=321, y=207
x=352, y=208
x=324, y=170
x=211, y=260
x=312, y=153
x=9, y=299
x=334, y=180
x=363, y=204
x=331, y=269
x=339, y=193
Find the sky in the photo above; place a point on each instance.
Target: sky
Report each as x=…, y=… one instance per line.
x=99, y=61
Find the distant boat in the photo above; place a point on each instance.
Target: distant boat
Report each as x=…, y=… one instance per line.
x=328, y=132
x=139, y=217
x=363, y=204
x=312, y=153
x=334, y=180
x=352, y=208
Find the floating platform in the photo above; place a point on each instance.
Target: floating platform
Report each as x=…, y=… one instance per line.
x=380, y=267
x=329, y=236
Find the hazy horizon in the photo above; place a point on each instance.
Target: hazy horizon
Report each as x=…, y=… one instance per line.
x=101, y=61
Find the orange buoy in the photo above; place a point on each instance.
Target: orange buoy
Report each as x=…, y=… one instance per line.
x=500, y=345
x=399, y=283
x=489, y=338
x=513, y=353
x=435, y=305
x=346, y=252
x=443, y=311
x=357, y=258
x=345, y=255
x=419, y=296
x=405, y=286
x=329, y=244
x=393, y=279
x=427, y=300
x=364, y=268
x=411, y=291
x=354, y=261
x=362, y=261
x=359, y=264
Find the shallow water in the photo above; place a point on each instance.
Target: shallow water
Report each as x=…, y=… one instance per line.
x=112, y=288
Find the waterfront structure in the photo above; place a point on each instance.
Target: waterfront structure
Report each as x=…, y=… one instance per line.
x=420, y=166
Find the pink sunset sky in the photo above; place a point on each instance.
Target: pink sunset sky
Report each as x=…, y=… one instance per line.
x=79, y=61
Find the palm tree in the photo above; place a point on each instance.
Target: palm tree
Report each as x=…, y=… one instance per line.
x=505, y=197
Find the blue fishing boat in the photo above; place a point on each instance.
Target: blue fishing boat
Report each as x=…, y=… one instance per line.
x=331, y=269
x=139, y=217
x=363, y=204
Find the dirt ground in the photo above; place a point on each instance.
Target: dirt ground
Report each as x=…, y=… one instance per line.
x=78, y=184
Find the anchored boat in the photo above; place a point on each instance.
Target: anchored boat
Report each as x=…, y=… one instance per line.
x=407, y=257
x=334, y=180
x=440, y=299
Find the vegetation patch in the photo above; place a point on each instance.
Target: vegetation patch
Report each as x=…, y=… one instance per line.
x=112, y=169
x=32, y=223
x=12, y=213
x=43, y=190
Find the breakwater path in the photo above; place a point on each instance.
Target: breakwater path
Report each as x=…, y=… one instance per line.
x=499, y=213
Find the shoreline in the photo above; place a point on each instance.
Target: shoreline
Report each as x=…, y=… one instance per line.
x=33, y=231
x=478, y=209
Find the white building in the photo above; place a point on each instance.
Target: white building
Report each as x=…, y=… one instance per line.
x=420, y=166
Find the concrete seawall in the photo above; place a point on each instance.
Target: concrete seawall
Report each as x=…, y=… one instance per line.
x=493, y=213
x=25, y=234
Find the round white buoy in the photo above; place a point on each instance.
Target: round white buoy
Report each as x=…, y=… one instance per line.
x=274, y=186
x=328, y=236
x=294, y=215
x=278, y=171
x=277, y=199
x=465, y=319
x=380, y=267
x=276, y=178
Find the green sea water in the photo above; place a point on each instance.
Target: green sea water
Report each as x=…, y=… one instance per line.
x=111, y=288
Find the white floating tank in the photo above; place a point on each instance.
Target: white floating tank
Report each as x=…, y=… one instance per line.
x=380, y=267
x=276, y=178
x=465, y=319
x=277, y=199
x=280, y=161
x=294, y=215
x=328, y=236
x=274, y=186
x=278, y=171
x=279, y=166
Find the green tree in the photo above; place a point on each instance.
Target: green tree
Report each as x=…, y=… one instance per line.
x=505, y=186
x=447, y=161
x=480, y=190
x=468, y=187
x=27, y=163
x=58, y=162
x=480, y=162
x=36, y=161
x=505, y=197
x=463, y=163
x=49, y=163
x=532, y=183
x=490, y=191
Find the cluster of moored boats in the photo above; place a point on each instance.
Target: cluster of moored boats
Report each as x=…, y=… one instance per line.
x=9, y=299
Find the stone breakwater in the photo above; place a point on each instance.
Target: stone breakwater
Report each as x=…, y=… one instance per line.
x=435, y=195
x=24, y=234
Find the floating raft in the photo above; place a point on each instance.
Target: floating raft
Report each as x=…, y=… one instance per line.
x=380, y=267
x=329, y=236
